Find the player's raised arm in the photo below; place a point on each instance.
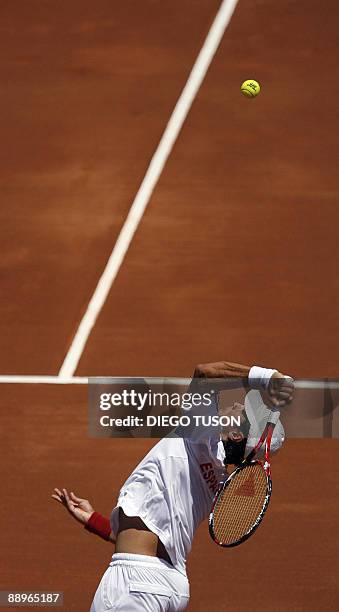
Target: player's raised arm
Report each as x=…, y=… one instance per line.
x=222, y=369
x=225, y=374
x=276, y=388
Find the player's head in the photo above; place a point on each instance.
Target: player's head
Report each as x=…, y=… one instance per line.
x=234, y=437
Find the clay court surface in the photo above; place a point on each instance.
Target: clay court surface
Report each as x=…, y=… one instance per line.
x=235, y=258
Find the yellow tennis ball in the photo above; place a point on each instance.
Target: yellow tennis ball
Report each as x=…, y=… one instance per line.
x=250, y=88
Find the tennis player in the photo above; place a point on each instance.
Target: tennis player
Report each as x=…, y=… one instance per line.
x=170, y=493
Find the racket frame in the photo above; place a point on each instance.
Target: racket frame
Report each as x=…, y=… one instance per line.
x=224, y=485
x=266, y=437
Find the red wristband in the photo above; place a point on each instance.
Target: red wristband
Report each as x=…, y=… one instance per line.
x=99, y=525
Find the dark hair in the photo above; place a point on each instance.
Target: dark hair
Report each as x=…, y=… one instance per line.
x=235, y=451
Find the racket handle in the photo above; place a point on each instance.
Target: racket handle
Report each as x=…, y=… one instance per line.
x=273, y=417
x=272, y=420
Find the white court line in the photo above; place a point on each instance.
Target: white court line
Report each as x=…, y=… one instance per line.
x=43, y=380
x=150, y=180
x=83, y=380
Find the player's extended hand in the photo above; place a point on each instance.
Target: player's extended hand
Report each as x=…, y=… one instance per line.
x=79, y=508
x=280, y=391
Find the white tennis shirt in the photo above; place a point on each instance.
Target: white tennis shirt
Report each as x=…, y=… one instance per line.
x=171, y=490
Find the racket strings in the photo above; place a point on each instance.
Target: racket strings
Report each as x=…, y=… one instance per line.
x=239, y=505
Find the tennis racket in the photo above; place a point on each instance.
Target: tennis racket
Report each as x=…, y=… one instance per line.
x=242, y=499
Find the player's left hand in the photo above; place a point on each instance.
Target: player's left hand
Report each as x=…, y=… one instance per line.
x=280, y=391
x=79, y=508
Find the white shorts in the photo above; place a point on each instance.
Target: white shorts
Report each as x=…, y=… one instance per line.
x=138, y=583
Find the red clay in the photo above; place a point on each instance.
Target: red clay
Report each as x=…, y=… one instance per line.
x=235, y=258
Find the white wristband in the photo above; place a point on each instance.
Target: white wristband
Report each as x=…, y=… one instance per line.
x=259, y=378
